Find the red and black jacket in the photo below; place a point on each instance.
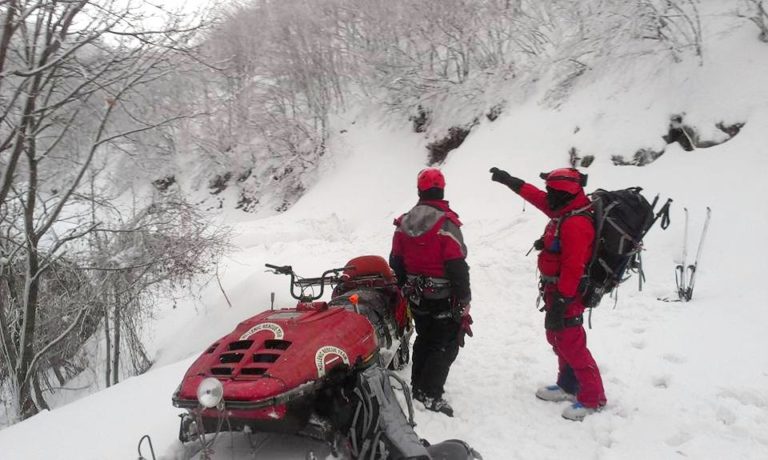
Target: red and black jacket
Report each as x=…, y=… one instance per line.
x=567, y=246
x=428, y=241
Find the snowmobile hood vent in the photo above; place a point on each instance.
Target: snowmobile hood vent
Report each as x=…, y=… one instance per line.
x=226, y=358
x=253, y=371
x=276, y=344
x=241, y=345
x=265, y=358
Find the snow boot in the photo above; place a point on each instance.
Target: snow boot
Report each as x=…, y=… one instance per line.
x=438, y=405
x=577, y=411
x=554, y=393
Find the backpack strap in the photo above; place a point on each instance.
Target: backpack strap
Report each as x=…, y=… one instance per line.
x=594, y=211
x=583, y=211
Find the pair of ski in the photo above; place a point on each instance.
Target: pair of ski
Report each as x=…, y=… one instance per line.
x=685, y=275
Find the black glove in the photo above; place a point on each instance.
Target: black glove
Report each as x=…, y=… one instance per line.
x=555, y=316
x=503, y=177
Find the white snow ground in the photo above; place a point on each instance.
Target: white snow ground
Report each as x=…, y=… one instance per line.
x=682, y=379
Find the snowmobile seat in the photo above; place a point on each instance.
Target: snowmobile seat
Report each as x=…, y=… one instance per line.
x=367, y=271
x=373, y=273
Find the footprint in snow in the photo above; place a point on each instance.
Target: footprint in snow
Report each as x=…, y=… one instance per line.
x=725, y=416
x=679, y=439
x=673, y=358
x=746, y=397
x=661, y=382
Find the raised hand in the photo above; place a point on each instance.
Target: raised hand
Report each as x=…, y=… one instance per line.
x=503, y=177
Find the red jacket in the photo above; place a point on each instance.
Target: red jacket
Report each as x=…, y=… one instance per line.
x=428, y=241
x=566, y=255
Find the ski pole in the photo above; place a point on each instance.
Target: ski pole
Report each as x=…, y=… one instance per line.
x=680, y=269
x=693, y=267
x=680, y=281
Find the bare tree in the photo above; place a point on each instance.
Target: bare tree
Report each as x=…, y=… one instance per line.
x=69, y=73
x=759, y=15
x=163, y=245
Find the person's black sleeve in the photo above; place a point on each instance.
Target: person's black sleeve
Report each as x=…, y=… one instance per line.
x=398, y=265
x=457, y=271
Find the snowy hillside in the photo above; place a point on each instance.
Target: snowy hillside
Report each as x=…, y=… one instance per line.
x=682, y=379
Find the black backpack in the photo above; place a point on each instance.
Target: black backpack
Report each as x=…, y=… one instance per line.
x=621, y=219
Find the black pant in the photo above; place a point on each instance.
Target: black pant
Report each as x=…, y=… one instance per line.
x=435, y=348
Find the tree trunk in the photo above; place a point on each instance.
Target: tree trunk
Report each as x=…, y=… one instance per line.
x=108, y=346
x=59, y=376
x=7, y=347
x=23, y=372
x=40, y=402
x=116, y=354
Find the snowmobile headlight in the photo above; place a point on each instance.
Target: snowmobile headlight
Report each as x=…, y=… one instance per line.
x=209, y=392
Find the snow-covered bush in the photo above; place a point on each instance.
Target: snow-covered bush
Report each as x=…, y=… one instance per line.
x=282, y=68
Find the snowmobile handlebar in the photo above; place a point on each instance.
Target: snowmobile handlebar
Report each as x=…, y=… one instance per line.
x=330, y=276
x=284, y=270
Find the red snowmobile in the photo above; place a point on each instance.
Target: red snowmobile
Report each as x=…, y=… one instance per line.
x=319, y=369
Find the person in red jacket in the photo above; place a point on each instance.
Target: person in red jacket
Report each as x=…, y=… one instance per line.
x=566, y=248
x=429, y=259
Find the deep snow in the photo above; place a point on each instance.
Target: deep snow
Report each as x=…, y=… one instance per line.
x=682, y=379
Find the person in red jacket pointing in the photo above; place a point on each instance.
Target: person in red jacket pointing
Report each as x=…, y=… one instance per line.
x=428, y=257
x=565, y=250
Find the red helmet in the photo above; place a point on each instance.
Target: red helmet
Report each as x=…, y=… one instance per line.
x=430, y=178
x=566, y=179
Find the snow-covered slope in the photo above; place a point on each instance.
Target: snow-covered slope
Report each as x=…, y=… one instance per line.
x=682, y=379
